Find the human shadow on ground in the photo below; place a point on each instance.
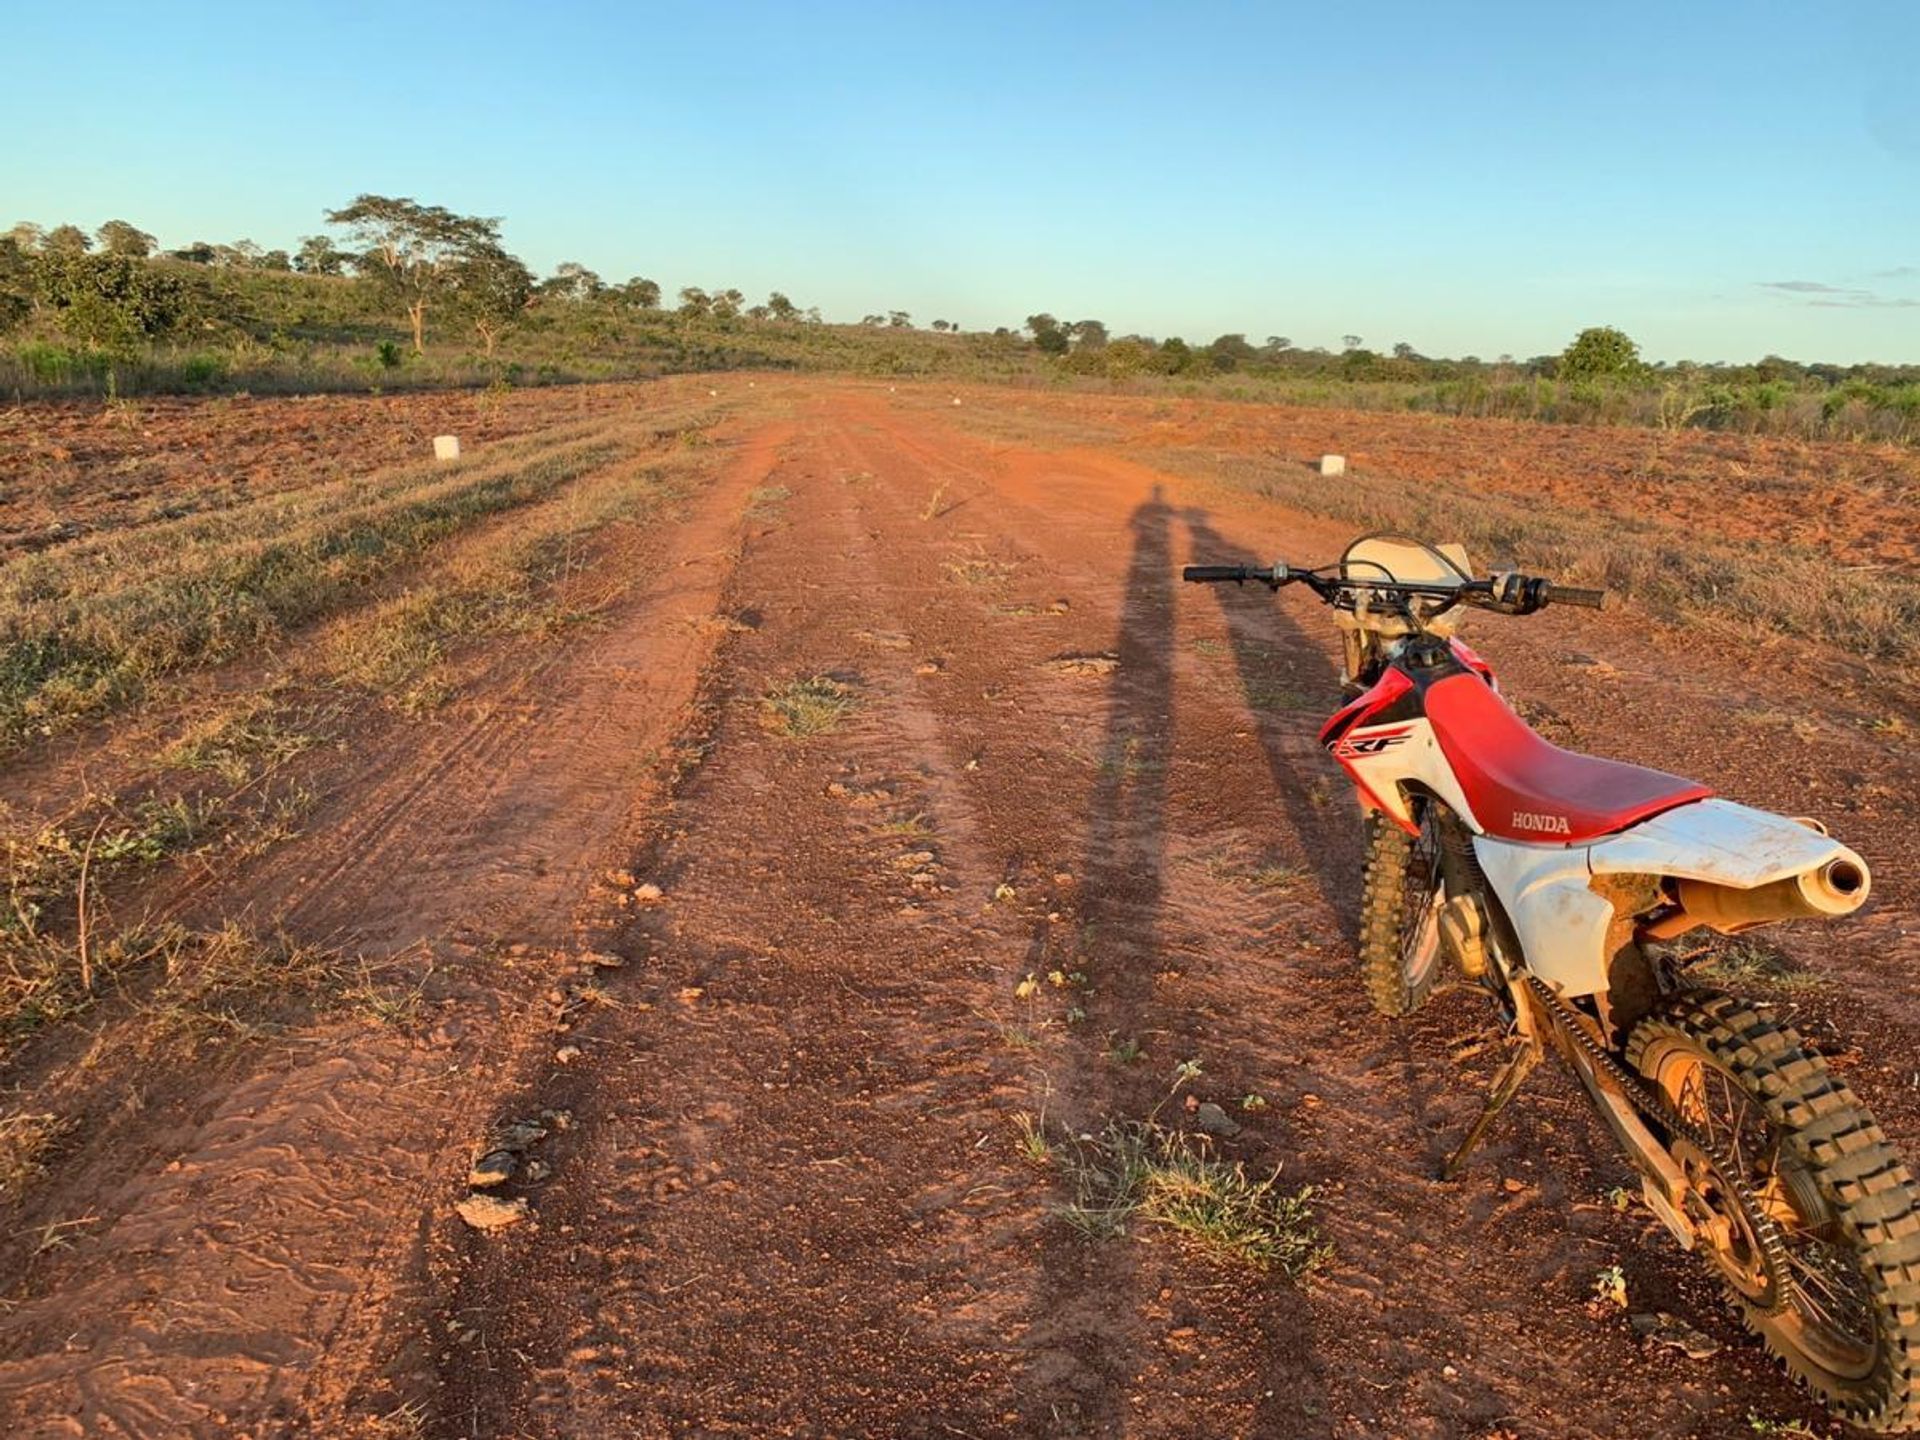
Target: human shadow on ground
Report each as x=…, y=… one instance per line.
x=1094, y=1292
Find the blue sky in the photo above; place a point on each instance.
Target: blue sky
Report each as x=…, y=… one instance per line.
x=1719, y=179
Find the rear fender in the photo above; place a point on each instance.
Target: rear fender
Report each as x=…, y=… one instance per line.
x=1562, y=924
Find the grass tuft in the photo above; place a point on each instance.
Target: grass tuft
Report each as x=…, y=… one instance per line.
x=27, y=1141
x=813, y=705
x=1140, y=1171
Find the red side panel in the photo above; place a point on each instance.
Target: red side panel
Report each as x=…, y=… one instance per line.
x=1387, y=689
x=1523, y=788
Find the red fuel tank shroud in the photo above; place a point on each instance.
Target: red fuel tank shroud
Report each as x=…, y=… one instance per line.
x=1385, y=693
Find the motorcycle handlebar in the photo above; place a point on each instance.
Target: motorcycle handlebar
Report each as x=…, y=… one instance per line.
x=1511, y=593
x=1574, y=595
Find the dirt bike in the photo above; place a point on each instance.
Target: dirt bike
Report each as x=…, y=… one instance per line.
x=1561, y=885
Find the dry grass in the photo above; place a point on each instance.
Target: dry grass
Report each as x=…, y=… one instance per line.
x=238, y=742
x=27, y=1141
x=1138, y=1171
x=812, y=705
x=1736, y=962
x=1770, y=587
x=537, y=578
x=86, y=628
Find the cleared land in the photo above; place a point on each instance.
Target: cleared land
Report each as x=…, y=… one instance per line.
x=815, y=805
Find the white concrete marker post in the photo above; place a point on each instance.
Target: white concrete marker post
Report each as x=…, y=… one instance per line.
x=1333, y=464
x=446, y=447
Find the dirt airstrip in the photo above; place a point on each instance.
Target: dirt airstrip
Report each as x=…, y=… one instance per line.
x=765, y=996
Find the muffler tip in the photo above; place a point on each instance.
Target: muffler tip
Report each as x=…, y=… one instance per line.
x=1838, y=887
x=1844, y=879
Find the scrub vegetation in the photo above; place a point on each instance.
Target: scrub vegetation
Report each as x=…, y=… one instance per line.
x=397, y=294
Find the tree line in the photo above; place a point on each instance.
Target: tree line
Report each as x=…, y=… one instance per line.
x=116, y=289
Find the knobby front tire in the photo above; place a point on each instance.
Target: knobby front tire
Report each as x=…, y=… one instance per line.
x=1400, y=901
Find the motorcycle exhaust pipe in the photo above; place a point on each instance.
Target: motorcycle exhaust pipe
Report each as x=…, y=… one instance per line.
x=1838, y=887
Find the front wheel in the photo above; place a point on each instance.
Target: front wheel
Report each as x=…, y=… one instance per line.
x=1400, y=905
x=1806, y=1212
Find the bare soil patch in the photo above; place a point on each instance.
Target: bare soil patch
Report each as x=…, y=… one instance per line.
x=823, y=893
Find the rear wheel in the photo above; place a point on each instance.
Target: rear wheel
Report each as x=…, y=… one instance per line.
x=1807, y=1213
x=1400, y=912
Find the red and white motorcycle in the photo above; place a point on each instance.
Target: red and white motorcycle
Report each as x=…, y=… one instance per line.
x=1559, y=884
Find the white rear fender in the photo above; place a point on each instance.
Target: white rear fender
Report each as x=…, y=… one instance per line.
x=1562, y=924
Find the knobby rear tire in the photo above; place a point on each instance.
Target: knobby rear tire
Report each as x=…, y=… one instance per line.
x=1829, y=1140
x=1396, y=869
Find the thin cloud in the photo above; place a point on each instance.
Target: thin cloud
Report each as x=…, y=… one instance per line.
x=1868, y=302
x=1844, y=297
x=1898, y=272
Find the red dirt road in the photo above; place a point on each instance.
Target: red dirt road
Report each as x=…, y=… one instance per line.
x=787, y=1196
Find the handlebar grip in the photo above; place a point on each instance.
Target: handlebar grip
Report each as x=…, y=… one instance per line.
x=1216, y=572
x=1574, y=595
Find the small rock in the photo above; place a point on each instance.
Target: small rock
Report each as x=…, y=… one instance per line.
x=1215, y=1121
x=538, y=1170
x=928, y=667
x=490, y=1212
x=602, y=960
x=517, y=1136
x=559, y=1119
x=1513, y=1186
x=567, y=1054
x=648, y=894
x=493, y=1168
x=1079, y=664
x=1451, y=1372
x=621, y=879
x=1660, y=1328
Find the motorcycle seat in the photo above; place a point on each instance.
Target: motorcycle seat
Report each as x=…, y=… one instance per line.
x=1523, y=787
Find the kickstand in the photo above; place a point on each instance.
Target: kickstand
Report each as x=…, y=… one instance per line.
x=1505, y=1084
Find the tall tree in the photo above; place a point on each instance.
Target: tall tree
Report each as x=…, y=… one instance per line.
x=1601, y=352
x=318, y=255
x=641, y=293
x=572, y=281
x=781, y=308
x=118, y=237
x=27, y=237
x=1088, y=334
x=416, y=250
x=695, y=302
x=66, y=240
x=1048, y=335
x=16, y=283
x=111, y=300
x=494, y=289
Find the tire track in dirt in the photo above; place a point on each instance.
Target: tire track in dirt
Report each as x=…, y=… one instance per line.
x=791, y=1201
x=242, y=1273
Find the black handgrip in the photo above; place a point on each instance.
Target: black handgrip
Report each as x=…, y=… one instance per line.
x=1574, y=595
x=1216, y=572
